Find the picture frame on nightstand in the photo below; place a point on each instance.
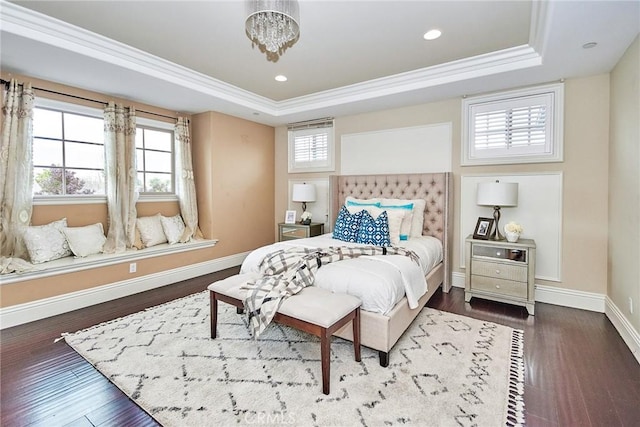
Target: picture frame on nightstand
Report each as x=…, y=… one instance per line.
x=483, y=228
x=290, y=217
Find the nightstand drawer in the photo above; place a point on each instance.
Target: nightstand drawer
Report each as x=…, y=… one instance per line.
x=499, y=270
x=293, y=232
x=499, y=286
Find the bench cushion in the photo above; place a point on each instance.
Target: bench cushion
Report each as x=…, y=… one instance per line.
x=313, y=305
x=318, y=306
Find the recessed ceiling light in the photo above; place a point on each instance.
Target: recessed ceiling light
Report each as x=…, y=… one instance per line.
x=589, y=45
x=432, y=34
x=281, y=78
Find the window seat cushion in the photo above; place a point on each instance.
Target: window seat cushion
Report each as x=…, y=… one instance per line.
x=70, y=264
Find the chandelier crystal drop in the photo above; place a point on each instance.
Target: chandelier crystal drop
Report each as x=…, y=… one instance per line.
x=273, y=24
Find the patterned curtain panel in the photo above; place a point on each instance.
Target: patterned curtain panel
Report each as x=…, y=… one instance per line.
x=186, y=187
x=16, y=170
x=121, y=173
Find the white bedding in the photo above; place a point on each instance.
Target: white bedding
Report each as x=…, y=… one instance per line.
x=379, y=281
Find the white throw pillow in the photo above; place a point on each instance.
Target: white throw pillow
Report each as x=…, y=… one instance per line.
x=395, y=218
x=151, y=232
x=173, y=227
x=417, y=218
x=46, y=242
x=87, y=240
x=407, y=208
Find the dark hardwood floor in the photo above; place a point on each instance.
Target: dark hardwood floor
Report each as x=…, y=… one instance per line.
x=578, y=370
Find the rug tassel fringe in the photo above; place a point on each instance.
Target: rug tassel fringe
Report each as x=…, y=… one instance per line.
x=515, y=406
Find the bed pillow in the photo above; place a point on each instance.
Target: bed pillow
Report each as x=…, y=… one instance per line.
x=87, y=240
x=347, y=225
x=407, y=208
x=417, y=219
x=46, y=242
x=173, y=228
x=374, y=231
x=352, y=201
x=394, y=218
x=151, y=232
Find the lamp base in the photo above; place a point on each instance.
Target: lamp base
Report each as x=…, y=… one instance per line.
x=496, y=233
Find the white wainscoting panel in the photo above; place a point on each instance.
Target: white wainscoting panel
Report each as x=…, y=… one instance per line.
x=402, y=150
x=539, y=211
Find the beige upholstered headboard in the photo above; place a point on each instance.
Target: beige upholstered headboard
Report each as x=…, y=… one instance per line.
x=435, y=188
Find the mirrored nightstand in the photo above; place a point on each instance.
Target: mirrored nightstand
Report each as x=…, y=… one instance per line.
x=299, y=231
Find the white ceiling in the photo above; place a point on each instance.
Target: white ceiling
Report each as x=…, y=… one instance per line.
x=352, y=56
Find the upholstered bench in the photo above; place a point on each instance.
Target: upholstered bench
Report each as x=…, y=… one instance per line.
x=314, y=310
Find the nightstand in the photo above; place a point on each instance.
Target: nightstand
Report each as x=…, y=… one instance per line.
x=501, y=271
x=299, y=231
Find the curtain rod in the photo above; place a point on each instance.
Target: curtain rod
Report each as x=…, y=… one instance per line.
x=6, y=83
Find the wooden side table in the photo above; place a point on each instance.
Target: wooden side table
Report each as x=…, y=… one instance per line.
x=299, y=231
x=501, y=271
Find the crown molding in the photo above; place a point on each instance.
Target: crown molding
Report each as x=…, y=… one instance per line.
x=45, y=29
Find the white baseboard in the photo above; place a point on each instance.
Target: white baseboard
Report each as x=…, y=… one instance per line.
x=570, y=298
x=40, y=309
x=457, y=279
x=626, y=330
x=558, y=296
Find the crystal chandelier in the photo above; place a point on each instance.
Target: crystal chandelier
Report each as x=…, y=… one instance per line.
x=273, y=24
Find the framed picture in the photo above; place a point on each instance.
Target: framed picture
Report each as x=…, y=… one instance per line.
x=290, y=217
x=483, y=228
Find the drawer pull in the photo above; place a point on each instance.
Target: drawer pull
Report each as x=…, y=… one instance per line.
x=497, y=286
x=497, y=271
x=498, y=254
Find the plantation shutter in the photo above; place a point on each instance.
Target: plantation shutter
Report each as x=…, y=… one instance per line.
x=310, y=145
x=512, y=127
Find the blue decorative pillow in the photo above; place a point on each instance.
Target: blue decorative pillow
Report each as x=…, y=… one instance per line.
x=374, y=231
x=347, y=225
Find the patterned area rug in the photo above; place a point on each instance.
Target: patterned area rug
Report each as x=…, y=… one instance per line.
x=446, y=370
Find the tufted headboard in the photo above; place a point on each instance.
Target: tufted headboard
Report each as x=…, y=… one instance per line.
x=435, y=188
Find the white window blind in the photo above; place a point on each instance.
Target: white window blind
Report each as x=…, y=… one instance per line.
x=512, y=128
x=311, y=146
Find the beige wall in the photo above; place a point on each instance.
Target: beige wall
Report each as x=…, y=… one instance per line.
x=624, y=185
x=234, y=164
x=585, y=172
x=234, y=167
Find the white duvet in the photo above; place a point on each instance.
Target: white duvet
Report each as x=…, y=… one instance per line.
x=379, y=281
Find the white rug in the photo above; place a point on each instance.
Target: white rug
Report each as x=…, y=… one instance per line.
x=446, y=370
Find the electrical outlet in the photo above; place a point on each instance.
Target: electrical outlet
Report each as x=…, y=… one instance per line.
x=133, y=267
x=630, y=305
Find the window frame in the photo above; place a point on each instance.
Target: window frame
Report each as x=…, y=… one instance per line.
x=307, y=128
x=63, y=199
x=554, y=126
x=145, y=123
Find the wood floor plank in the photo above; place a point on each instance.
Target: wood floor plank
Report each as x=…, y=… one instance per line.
x=578, y=371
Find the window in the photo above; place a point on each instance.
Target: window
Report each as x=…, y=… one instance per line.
x=68, y=152
x=154, y=159
x=311, y=146
x=522, y=126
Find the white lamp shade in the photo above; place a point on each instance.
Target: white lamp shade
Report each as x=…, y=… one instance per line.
x=304, y=193
x=497, y=194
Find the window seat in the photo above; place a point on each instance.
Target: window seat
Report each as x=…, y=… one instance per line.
x=72, y=264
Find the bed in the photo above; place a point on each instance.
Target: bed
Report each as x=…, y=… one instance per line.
x=386, y=316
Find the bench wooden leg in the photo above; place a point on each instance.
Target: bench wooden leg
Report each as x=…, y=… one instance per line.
x=213, y=307
x=325, y=355
x=356, y=334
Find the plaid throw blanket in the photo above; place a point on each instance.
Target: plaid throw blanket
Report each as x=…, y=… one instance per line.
x=286, y=272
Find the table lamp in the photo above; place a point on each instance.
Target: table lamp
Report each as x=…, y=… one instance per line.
x=497, y=194
x=304, y=193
